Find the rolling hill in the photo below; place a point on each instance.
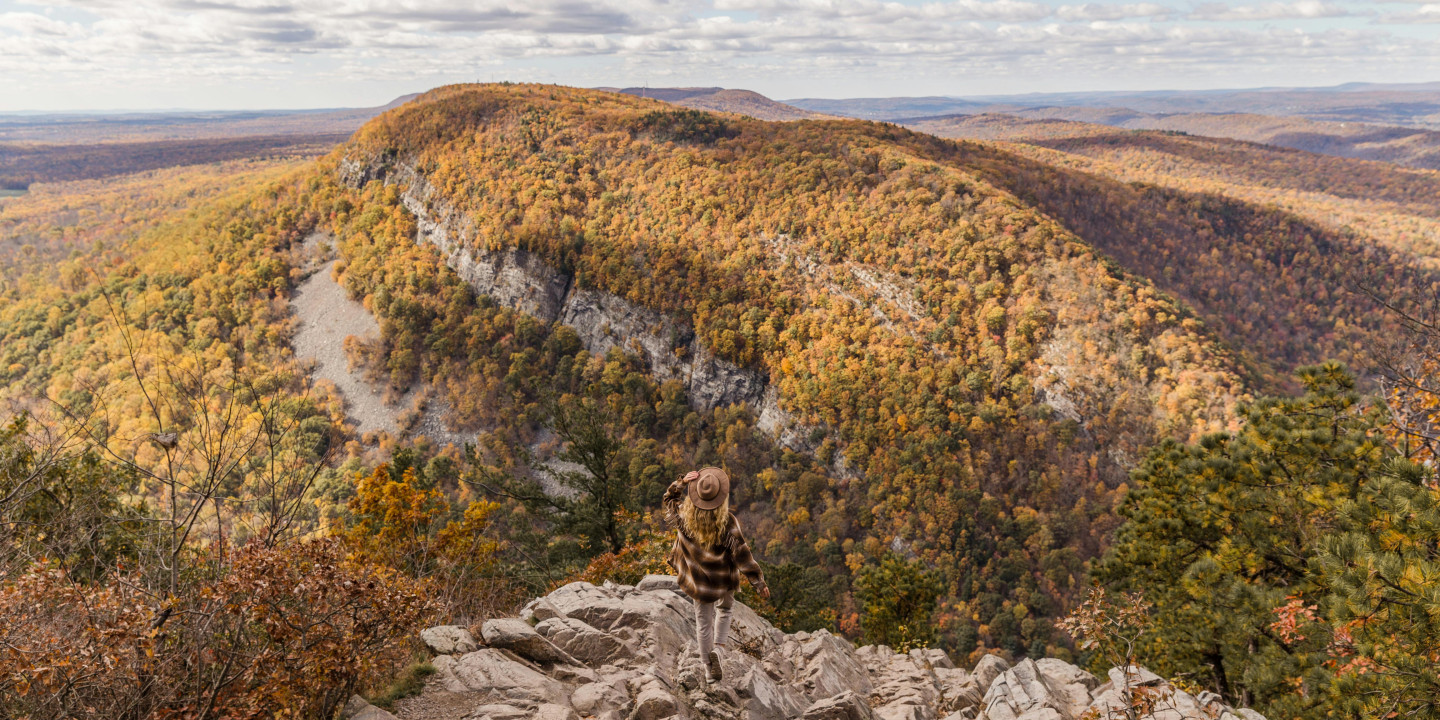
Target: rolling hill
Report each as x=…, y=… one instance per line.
x=1410, y=147
x=714, y=99
x=1182, y=193
x=918, y=309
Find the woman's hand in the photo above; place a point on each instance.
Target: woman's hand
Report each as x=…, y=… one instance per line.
x=677, y=488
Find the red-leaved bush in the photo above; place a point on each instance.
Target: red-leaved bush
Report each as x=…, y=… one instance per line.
x=282, y=632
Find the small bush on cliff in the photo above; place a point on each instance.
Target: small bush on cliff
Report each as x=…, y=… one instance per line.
x=647, y=553
x=897, y=598
x=403, y=523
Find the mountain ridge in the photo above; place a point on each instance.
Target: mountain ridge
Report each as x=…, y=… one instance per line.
x=927, y=354
x=717, y=99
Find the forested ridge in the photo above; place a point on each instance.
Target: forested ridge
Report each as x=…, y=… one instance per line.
x=753, y=232
x=978, y=370
x=1244, y=234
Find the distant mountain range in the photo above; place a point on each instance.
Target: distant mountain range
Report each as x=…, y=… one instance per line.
x=79, y=128
x=1415, y=105
x=1406, y=146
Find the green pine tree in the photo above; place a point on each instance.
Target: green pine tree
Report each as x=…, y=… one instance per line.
x=1381, y=582
x=1221, y=533
x=897, y=598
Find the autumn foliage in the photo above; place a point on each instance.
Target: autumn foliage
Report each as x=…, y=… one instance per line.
x=263, y=633
x=977, y=346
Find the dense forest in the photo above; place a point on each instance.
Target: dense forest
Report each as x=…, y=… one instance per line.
x=1235, y=230
x=978, y=369
x=760, y=236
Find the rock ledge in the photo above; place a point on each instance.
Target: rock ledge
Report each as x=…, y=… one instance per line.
x=618, y=652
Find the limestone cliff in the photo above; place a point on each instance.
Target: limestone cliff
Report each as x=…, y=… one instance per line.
x=522, y=281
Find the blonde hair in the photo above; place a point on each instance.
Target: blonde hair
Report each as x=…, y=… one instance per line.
x=707, y=527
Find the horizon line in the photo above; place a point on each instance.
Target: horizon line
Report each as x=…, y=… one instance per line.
x=1420, y=86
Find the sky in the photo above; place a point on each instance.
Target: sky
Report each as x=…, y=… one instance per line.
x=249, y=54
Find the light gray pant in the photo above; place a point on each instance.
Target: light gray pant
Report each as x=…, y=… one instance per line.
x=711, y=630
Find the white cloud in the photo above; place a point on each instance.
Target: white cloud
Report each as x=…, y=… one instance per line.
x=1110, y=11
x=79, y=46
x=1298, y=10
x=1426, y=13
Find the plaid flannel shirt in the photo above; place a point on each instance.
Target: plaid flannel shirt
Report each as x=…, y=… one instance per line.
x=709, y=573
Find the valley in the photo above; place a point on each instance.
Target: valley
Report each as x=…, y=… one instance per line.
x=987, y=358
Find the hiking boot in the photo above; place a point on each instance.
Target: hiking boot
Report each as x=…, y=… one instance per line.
x=713, y=663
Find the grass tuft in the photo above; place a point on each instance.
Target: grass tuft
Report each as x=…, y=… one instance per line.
x=408, y=684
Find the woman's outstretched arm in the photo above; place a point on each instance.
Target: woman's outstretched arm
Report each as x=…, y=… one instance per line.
x=745, y=562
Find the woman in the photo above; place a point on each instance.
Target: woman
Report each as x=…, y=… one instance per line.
x=709, y=556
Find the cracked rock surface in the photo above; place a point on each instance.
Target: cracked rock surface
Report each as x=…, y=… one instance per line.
x=619, y=652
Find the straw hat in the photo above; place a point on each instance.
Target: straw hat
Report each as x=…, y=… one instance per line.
x=710, y=490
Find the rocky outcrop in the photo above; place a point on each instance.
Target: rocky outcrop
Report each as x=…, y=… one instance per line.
x=618, y=652
x=523, y=281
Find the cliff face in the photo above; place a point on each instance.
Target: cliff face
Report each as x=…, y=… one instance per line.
x=523, y=281
x=618, y=652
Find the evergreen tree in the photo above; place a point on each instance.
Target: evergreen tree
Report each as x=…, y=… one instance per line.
x=897, y=598
x=587, y=491
x=1222, y=533
x=1381, y=581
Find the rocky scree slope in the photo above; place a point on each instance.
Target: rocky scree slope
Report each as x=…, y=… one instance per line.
x=621, y=652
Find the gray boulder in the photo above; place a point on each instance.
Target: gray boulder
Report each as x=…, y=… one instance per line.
x=987, y=669
x=592, y=699
x=931, y=657
x=1137, y=677
x=497, y=674
x=358, y=709
x=844, y=706
x=659, y=582
x=654, y=703
x=826, y=665
x=519, y=637
x=584, y=642
x=549, y=711
x=1033, y=692
x=539, y=609
x=448, y=640
x=598, y=606
x=760, y=695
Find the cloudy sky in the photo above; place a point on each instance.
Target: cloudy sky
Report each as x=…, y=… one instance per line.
x=202, y=54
